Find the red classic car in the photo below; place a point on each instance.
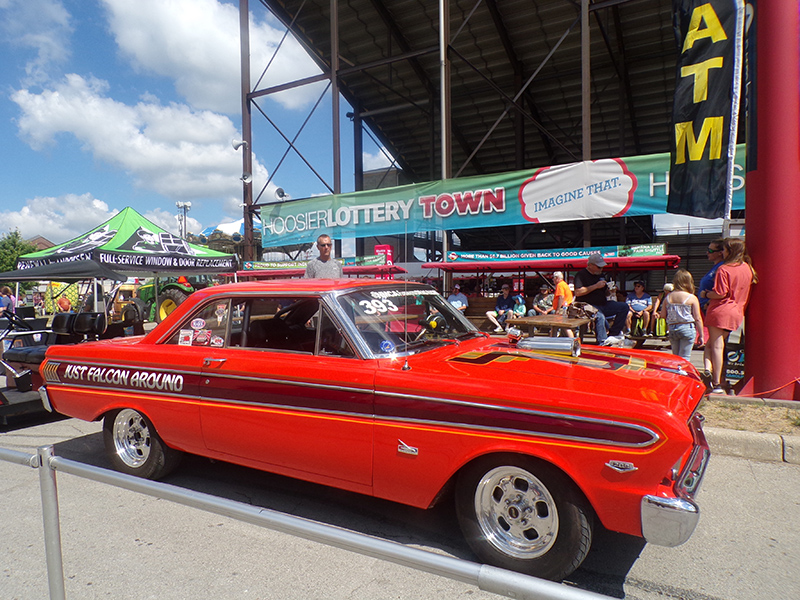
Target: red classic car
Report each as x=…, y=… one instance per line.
x=383, y=388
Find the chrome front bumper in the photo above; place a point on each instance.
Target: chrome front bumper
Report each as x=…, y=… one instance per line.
x=670, y=521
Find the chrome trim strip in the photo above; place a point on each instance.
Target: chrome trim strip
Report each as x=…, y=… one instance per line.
x=509, y=430
x=526, y=411
x=309, y=384
x=655, y=437
x=131, y=391
x=368, y=416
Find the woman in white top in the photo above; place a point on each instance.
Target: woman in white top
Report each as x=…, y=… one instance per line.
x=681, y=308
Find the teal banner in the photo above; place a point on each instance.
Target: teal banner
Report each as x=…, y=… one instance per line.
x=516, y=255
x=357, y=261
x=618, y=187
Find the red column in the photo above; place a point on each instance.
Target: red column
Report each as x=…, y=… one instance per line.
x=772, y=340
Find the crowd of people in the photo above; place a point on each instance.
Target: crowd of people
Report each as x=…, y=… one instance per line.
x=689, y=316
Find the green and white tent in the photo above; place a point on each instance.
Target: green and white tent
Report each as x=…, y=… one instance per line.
x=134, y=246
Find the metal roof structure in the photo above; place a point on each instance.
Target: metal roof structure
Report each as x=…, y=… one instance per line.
x=500, y=50
x=532, y=83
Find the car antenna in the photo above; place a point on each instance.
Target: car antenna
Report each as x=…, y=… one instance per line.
x=406, y=366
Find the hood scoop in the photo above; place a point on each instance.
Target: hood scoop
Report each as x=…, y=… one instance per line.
x=565, y=346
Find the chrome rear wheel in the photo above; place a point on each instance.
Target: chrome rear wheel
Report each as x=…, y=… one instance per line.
x=131, y=435
x=134, y=447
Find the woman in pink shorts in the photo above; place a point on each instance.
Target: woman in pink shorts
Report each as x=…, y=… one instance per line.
x=727, y=302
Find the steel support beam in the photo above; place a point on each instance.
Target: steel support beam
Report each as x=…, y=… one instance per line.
x=772, y=368
x=248, y=247
x=586, y=102
x=444, y=103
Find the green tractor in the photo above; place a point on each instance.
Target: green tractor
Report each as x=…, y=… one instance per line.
x=171, y=292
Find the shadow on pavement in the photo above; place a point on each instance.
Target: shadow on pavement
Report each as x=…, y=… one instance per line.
x=604, y=570
x=18, y=422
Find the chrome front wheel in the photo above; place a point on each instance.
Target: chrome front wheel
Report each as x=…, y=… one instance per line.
x=522, y=514
x=516, y=512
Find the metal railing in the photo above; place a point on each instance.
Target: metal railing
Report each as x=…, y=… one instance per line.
x=485, y=577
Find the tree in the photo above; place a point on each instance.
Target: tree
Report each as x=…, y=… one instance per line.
x=12, y=246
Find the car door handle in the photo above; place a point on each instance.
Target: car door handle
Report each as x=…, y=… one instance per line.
x=209, y=360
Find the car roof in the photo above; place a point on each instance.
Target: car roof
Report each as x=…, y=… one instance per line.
x=302, y=285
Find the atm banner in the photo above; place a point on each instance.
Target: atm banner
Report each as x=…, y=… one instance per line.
x=705, y=113
x=618, y=187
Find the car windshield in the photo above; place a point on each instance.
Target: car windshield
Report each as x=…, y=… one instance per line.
x=394, y=320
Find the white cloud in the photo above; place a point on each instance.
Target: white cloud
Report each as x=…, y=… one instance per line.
x=167, y=220
x=41, y=25
x=196, y=44
x=378, y=160
x=64, y=217
x=181, y=151
x=173, y=150
x=57, y=218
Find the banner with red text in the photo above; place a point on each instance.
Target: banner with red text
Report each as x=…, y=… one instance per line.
x=618, y=187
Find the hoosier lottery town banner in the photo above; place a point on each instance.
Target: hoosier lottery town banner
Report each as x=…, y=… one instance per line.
x=618, y=187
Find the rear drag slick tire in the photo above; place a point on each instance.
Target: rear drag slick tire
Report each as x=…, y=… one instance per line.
x=134, y=447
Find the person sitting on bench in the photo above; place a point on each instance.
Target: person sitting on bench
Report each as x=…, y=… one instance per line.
x=591, y=287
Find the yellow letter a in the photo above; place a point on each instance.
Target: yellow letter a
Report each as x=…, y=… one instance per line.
x=713, y=28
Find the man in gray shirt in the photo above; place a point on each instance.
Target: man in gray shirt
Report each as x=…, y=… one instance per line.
x=324, y=266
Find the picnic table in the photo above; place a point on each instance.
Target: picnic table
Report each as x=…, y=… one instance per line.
x=552, y=321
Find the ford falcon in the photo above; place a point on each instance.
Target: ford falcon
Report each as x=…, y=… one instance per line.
x=383, y=388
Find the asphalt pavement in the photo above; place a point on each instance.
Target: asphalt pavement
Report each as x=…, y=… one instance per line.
x=124, y=545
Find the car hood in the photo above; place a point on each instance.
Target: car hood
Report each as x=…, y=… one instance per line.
x=600, y=382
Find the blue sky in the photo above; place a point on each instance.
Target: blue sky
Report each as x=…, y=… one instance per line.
x=112, y=103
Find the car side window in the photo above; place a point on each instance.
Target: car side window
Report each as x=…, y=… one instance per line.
x=206, y=327
x=282, y=323
x=331, y=340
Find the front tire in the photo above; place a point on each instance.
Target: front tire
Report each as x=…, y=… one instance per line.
x=524, y=515
x=134, y=447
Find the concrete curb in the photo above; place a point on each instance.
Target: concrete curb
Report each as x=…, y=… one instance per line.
x=767, y=447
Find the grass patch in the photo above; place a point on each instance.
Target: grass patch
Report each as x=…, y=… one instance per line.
x=751, y=417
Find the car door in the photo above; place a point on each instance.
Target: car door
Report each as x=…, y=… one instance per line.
x=287, y=402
